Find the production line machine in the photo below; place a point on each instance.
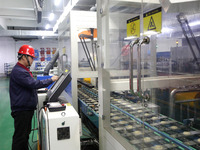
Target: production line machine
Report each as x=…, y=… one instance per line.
x=58, y=122
x=141, y=125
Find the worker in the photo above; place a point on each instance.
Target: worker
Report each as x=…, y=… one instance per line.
x=23, y=96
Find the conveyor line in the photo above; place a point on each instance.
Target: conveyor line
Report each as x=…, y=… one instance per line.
x=133, y=114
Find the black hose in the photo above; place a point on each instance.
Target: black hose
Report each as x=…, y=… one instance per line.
x=51, y=63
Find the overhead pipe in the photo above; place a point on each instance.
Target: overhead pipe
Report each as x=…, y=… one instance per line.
x=131, y=63
x=145, y=40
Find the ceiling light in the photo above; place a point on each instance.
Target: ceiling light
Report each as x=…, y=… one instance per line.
x=130, y=38
x=57, y=2
x=66, y=11
x=47, y=26
x=181, y=1
x=51, y=16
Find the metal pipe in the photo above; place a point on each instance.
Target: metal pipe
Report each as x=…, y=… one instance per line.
x=131, y=63
x=86, y=54
x=131, y=69
x=146, y=40
x=172, y=95
x=90, y=58
x=139, y=68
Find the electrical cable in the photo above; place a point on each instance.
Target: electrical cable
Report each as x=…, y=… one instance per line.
x=28, y=61
x=33, y=129
x=39, y=128
x=119, y=55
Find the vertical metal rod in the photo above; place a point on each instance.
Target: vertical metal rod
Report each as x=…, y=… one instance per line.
x=86, y=54
x=139, y=69
x=89, y=55
x=131, y=69
x=95, y=45
x=131, y=44
x=93, y=51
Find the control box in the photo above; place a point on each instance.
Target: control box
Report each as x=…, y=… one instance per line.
x=60, y=129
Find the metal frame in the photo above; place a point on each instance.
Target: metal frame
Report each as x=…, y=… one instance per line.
x=108, y=137
x=72, y=23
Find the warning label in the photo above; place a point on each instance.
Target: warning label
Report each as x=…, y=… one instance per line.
x=133, y=27
x=153, y=20
x=152, y=25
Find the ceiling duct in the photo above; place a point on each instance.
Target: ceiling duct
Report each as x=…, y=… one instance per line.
x=38, y=4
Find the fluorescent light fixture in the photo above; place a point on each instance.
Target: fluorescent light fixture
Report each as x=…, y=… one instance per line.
x=194, y=23
x=181, y=1
x=66, y=11
x=51, y=16
x=47, y=26
x=57, y=2
x=151, y=33
x=130, y=38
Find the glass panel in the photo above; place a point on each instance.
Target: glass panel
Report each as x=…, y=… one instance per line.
x=127, y=109
x=161, y=112
x=65, y=50
x=87, y=49
x=174, y=91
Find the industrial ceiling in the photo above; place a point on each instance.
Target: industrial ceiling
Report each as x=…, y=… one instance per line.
x=20, y=15
x=19, y=18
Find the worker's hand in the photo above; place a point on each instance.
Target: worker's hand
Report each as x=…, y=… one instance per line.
x=54, y=78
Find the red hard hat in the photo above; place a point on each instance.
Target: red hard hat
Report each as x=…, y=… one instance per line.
x=27, y=50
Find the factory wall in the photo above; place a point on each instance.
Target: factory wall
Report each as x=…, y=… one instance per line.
x=7, y=52
x=37, y=44
x=165, y=44
x=9, y=48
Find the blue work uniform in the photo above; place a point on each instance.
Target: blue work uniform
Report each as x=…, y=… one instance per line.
x=23, y=99
x=23, y=94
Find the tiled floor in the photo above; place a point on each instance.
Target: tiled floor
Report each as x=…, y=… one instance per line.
x=6, y=121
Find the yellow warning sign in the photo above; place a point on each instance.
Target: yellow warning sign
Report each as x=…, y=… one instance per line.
x=152, y=25
x=152, y=20
x=133, y=27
